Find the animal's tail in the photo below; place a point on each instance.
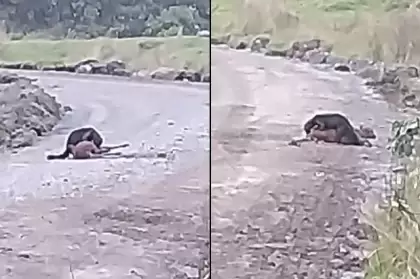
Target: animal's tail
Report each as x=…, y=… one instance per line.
x=63, y=155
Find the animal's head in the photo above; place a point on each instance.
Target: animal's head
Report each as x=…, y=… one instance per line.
x=366, y=132
x=308, y=126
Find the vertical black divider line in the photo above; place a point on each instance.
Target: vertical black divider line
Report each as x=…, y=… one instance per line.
x=210, y=139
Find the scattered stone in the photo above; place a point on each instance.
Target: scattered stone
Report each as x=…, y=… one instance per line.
x=67, y=109
x=403, y=71
x=115, y=64
x=342, y=68
x=237, y=42
x=25, y=254
x=275, y=52
x=99, y=68
x=60, y=68
x=413, y=72
x=188, y=75
x=241, y=45
x=315, y=56
x=203, y=33
x=260, y=42
x=164, y=73
x=364, y=156
x=20, y=66
x=86, y=62
x=121, y=73
x=373, y=73
x=161, y=155
x=411, y=101
x=304, y=46
x=298, y=54
x=84, y=69
x=206, y=78
x=256, y=46
x=140, y=74
x=138, y=272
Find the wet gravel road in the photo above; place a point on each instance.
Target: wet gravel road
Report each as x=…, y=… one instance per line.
x=280, y=211
x=119, y=218
x=164, y=116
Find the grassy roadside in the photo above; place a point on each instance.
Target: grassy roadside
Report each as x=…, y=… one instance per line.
x=138, y=53
x=395, y=251
x=384, y=30
x=379, y=29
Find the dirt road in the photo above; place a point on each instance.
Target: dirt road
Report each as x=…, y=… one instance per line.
x=280, y=211
x=122, y=218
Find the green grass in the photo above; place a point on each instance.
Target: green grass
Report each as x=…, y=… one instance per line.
x=373, y=29
x=395, y=253
x=139, y=53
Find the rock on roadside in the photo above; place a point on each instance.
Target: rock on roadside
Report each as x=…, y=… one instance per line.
x=111, y=68
x=397, y=83
x=26, y=111
x=165, y=73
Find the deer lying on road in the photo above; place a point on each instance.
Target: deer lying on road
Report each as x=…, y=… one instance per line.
x=88, y=150
x=86, y=134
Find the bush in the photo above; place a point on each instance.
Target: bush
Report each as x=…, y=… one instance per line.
x=96, y=18
x=395, y=251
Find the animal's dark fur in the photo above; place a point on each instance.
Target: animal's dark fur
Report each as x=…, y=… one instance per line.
x=77, y=136
x=331, y=136
x=327, y=121
x=334, y=127
x=333, y=121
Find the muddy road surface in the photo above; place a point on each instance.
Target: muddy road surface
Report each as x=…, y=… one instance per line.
x=119, y=218
x=281, y=211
